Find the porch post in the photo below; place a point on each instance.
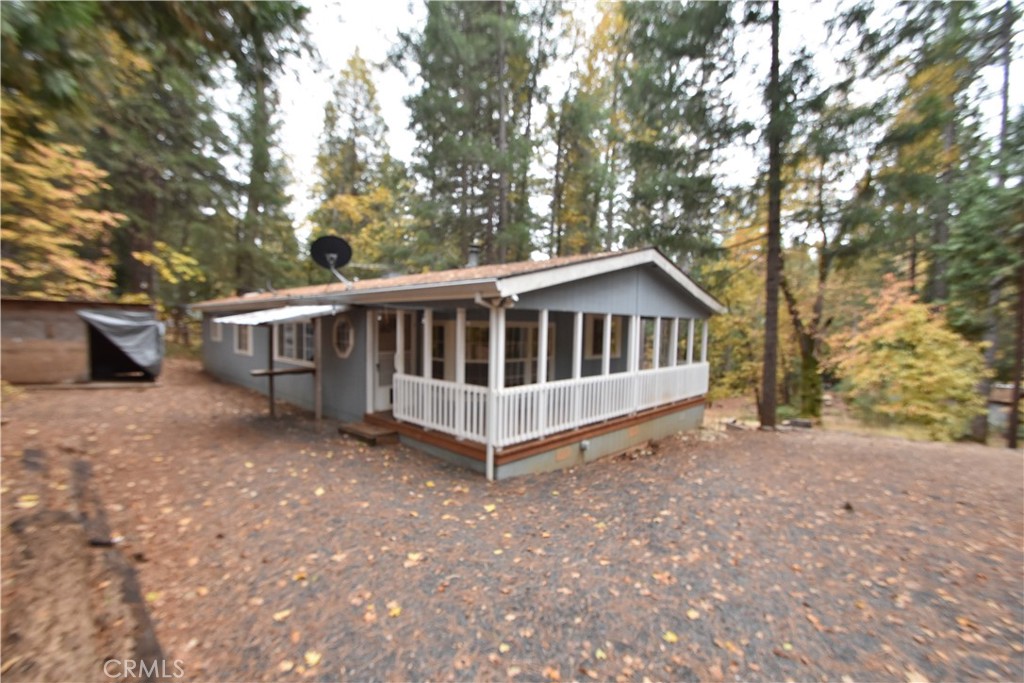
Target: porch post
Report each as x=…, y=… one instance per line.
x=634, y=344
x=542, y=369
x=704, y=342
x=673, y=356
x=496, y=356
x=689, y=342
x=318, y=369
x=428, y=339
x=635, y=352
x=656, y=360
x=270, y=363
x=577, y=367
x=460, y=373
x=371, y=323
x=500, y=341
x=606, y=350
x=400, y=343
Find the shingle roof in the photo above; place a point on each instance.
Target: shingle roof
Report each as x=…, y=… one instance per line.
x=488, y=272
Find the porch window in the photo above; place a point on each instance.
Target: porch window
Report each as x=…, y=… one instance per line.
x=437, y=351
x=243, y=340
x=647, y=330
x=293, y=343
x=593, y=336
x=521, y=346
x=665, y=348
x=684, y=330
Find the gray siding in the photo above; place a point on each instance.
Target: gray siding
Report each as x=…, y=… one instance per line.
x=344, y=383
x=642, y=290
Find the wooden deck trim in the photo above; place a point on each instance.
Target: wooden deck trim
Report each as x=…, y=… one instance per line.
x=471, y=449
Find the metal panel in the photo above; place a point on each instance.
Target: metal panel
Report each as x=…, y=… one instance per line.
x=642, y=290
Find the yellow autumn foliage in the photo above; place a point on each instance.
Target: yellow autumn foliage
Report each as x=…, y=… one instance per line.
x=905, y=365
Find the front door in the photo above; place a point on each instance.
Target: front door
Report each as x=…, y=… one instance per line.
x=387, y=337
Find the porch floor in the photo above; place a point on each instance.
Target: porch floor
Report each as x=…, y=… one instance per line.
x=477, y=451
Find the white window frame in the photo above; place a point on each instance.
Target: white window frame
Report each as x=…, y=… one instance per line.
x=216, y=331
x=298, y=328
x=589, y=323
x=246, y=331
x=343, y=353
x=531, y=347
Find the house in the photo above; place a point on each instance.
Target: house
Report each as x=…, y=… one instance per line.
x=590, y=356
x=47, y=341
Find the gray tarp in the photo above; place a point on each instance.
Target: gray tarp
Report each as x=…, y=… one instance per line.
x=137, y=333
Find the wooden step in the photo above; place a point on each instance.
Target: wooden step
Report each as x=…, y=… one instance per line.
x=372, y=434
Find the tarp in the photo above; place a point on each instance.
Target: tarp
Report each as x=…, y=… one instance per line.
x=283, y=314
x=137, y=333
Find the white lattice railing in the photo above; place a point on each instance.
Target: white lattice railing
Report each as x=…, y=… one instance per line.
x=534, y=411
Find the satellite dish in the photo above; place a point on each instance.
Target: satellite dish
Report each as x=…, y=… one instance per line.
x=332, y=252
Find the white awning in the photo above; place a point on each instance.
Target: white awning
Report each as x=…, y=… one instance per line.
x=284, y=314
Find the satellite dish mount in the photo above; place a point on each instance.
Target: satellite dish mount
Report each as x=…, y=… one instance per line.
x=332, y=253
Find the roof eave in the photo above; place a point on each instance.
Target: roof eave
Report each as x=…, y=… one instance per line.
x=458, y=290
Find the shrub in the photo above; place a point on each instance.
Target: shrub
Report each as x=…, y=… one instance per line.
x=905, y=365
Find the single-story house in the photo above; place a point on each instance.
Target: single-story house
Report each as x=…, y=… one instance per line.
x=48, y=341
x=589, y=356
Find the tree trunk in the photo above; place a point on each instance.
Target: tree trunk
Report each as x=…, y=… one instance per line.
x=502, y=138
x=1018, y=365
x=774, y=263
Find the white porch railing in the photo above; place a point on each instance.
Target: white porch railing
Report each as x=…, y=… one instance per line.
x=456, y=409
x=534, y=411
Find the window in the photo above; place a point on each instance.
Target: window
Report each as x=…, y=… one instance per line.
x=593, y=336
x=344, y=336
x=437, y=351
x=216, y=331
x=243, y=340
x=293, y=343
x=521, y=346
x=665, y=347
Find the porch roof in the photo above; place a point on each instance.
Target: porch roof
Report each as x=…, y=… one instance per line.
x=490, y=281
x=284, y=314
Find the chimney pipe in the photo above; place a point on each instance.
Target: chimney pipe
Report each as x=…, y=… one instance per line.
x=474, y=256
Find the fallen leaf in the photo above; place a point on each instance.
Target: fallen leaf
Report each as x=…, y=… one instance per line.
x=394, y=609
x=153, y=596
x=430, y=484
x=503, y=648
x=286, y=666
x=282, y=615
x=29, y=500
x=312, y=658
x=319, y=491
x=412, y=559
x=788, y=647
x=670, y=637
x=248, y=465
x=600, y=654
x=490, y=507
x=552, y=673
x=300, y=575
x=692, y=614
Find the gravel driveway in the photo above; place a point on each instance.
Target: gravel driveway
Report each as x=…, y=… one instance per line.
x=270, y=551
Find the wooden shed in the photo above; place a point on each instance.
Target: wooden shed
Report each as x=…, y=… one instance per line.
x=44, y=341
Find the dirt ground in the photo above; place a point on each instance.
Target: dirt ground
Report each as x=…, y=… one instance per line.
x=267, y=550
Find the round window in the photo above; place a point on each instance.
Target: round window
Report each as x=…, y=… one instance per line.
x=344, y=336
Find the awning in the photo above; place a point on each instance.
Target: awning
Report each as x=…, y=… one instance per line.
x=284, y=314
